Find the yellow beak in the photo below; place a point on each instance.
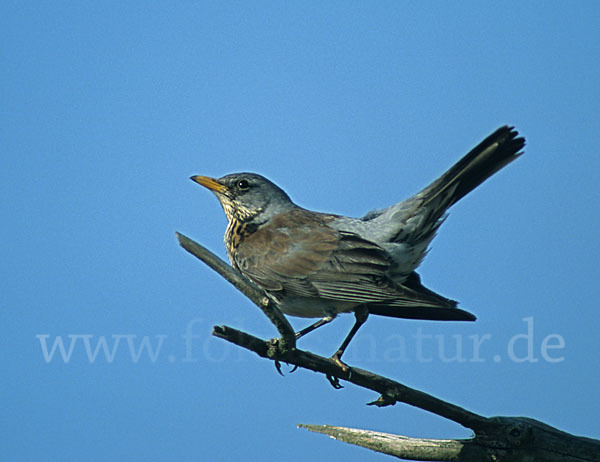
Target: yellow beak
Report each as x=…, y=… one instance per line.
x=209, y=183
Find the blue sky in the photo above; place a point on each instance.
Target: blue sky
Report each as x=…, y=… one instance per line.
x=109, y=107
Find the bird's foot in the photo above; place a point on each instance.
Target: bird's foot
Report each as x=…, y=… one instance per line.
x=334, y=381
x=278, y=367
x=337, y=359
x=275, y=351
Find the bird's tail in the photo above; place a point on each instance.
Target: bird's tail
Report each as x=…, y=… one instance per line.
x=420, y=216
x=492, y=154
x=434, y=307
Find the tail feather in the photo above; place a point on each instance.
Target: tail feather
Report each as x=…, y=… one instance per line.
x=422, y=313
x=445, y=311
x=492, y=154
x=406, y=229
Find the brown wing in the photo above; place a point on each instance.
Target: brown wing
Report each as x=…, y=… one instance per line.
x=297, y=254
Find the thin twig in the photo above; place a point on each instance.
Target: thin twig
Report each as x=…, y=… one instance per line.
x=251, y=291
x=390, y=390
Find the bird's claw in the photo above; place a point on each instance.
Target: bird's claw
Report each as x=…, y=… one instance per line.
x=278, y=367
x=336, y=358
x=334, y=381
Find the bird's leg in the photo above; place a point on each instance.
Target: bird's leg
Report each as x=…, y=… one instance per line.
x=361, y=313
x=319, y=323
x=306, y=330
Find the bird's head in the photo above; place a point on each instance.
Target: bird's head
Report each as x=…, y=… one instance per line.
x=247, y=197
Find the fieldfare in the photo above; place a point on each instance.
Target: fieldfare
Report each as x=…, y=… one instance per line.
x=317, y=265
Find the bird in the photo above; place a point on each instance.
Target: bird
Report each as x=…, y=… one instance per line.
x=319, y=265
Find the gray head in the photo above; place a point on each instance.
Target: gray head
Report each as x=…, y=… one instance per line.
x=247, y=197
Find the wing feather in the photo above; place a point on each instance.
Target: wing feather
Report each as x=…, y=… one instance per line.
x=299, y=255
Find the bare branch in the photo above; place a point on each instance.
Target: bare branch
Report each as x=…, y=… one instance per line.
x=402, y=447
x=256, y=295
x=390, y=390
x=509, y=439
x=520, y=440
x=499, y=439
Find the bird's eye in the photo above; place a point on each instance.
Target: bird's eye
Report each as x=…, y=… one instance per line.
x=243, y=185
